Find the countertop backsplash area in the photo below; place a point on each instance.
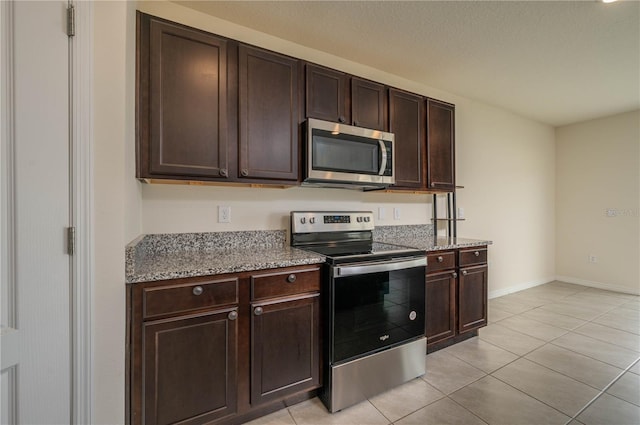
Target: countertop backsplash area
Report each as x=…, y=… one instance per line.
x=406, y=231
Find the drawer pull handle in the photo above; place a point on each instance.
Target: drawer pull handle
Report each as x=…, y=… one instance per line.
x=223, y=172
x=477, y=253
x=198, y=290
x=233, y=315
x=464, y=272
x=291, y=278
x=244, y=173
x=257, y=311
x=454, y=275
x=440, y=259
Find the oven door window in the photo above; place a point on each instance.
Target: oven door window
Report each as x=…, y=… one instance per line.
x=375, y=311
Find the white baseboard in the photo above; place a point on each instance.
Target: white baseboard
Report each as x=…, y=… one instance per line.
x=520, y=287
x=599, y=285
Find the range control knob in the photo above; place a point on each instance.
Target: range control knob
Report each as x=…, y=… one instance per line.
x=366, y=219
x=303, y=220
x=312, y=220
x=359, y=219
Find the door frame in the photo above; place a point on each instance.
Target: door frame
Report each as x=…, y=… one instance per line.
x=82, y=212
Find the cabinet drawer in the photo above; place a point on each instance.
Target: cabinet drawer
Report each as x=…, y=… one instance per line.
x=443, y=260
x=472, y=256
x=284, y=283
x=182, y=298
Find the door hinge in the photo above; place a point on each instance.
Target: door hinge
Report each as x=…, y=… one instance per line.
x=71, y=240
x=71, y=21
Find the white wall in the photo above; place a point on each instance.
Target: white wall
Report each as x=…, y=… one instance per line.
x=507, y=165
x=116, y=198
x=505, y=162
x=598, y=168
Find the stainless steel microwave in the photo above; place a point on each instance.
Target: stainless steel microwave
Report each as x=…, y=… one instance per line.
x=339, y=155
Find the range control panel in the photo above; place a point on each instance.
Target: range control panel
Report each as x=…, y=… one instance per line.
x=330, y=221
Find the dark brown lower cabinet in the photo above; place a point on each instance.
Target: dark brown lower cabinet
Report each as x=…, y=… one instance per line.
x=222, y=349
x=284, y=348
x=456, y=292
x=472, y=298
x=190, y=368
x=441, y=311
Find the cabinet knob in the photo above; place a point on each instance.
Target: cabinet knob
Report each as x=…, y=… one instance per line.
x=341, y=118
x=477, y=253
x=454, y=275
x=440, y=259
x=291, y=278
x=244, y=172
x=233, y=315
x=198, y=290
x=223, y=172
x=257, y=311
x=464, y=272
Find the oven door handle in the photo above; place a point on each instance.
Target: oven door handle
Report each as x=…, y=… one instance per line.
x=382, y=266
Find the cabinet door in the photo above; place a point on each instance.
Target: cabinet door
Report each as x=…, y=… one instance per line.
x=327, y=92
x=368, y=104
x=285, y=356
x=472, y=298
x=440, y=146
x=183, y=103
x=407, y=122
x=269, y=115
x=441, y=306
x=190, y=368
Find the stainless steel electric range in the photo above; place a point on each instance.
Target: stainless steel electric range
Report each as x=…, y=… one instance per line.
x=373, y=305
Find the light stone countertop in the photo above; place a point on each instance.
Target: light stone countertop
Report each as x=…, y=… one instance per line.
x=422, y=237
x=172, y=256
x=437, y=244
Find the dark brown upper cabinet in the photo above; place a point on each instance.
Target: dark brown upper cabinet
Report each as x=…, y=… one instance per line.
x=368, y=104
x=407, y=122
x=183, y=102
x=269, y=115
x=440, y=146
x=327, y=94
x=210, y=110
x=335, y=96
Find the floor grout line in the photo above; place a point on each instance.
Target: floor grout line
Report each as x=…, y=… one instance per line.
x=604, y=390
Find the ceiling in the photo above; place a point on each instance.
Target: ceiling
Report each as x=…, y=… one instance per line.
x=556, y=62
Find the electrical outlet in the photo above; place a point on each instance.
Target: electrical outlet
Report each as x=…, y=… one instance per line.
x=396, y=213
x=224, y=214
x=460, y=212
x=593, y=259
x=382, y=212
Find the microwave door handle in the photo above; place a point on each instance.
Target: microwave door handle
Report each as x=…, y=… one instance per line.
x=383, y=162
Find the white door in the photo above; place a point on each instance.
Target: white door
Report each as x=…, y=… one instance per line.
x=35, y=270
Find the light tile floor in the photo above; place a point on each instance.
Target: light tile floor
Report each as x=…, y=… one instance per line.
x=554, y=354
